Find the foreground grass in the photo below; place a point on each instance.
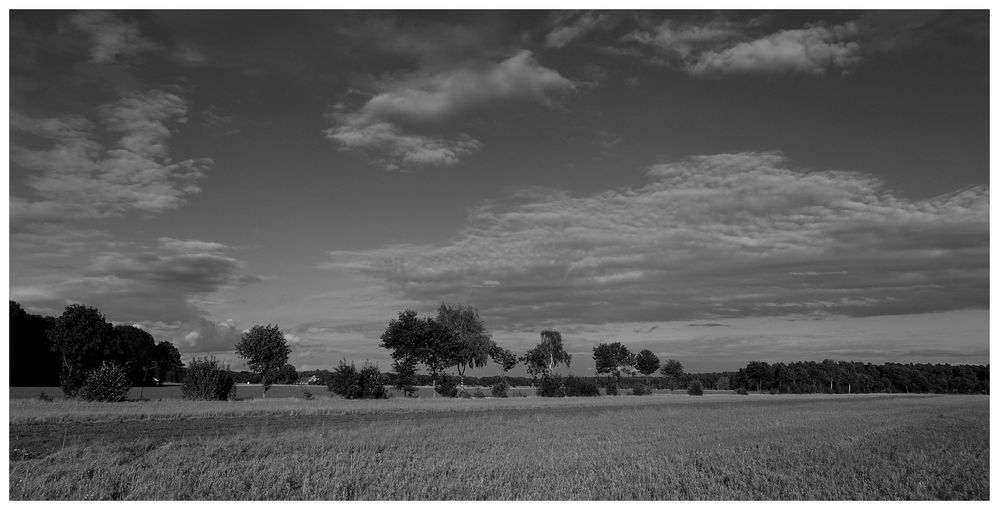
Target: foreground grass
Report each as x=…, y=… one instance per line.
x=833, y=448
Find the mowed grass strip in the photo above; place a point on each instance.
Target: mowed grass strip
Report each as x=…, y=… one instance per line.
x=860, y=448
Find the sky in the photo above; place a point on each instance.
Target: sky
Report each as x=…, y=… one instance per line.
x=717, y=187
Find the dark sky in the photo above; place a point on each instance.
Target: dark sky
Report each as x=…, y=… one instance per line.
x=815, y=181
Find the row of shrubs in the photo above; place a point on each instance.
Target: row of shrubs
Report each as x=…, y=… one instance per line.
x=208, y=379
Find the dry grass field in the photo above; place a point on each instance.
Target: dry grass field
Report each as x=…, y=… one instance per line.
x=726, y=447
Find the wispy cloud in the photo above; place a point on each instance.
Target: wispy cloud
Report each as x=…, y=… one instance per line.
x=726, y=235
x=383, y=125
x=721, y=46
x=570, y=26
x=111, y=38
x=76, y=176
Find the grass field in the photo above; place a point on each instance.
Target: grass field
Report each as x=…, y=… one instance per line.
x=651, y=447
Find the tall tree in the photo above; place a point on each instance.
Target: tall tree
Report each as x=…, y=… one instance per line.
x=266, y=352
x=673, y=371
x=135, y=350
x=82, y=337
x=613, y=358
x=544, y=357
x=423, y=340
x=647, y=363
x=32, y=360
x=474, y=340
x=168, y=365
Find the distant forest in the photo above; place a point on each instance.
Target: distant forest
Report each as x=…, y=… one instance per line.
x=35, y=363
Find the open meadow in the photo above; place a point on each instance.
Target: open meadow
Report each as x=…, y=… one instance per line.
x=721, y=446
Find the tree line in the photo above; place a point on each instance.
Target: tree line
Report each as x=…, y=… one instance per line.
x=81, y=343
x=62, y=351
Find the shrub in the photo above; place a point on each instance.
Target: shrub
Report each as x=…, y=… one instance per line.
x=350, y=383
x=207, y=379
x=478, y=393
x=500, y=389
x=695, y=388
x=307, y=395
x=446, y=386
x=551, y=386
x=640, y=389
x=742, y=391
x=579, y=387
x=107, y=383
x=44, y=397
x=611, y=389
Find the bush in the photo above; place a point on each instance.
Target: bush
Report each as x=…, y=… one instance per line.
x=579, y=387
x=307, y=395
x=611, y=389
x=478, y=393
x=695, y=388
x=640, y=389
x=207, y=379
x=349, y=383
x=742, y=391
x=446, y=386
x=108, y=383
x=551, y=386
x=500, y=389
x=44, y=397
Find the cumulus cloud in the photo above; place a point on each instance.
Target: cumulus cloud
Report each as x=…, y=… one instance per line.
x=810, y=50
x=721, y=46
x=76, y=176
x=426, y=99
x=728, y=235
x=111, y=38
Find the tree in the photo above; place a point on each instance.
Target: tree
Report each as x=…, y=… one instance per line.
x=544, y=357
x=673, y=371
x=350, y=383
x=82, y=337
x=265, y=350
x=167, y=362
x=613, y=359
x=135, y=350
x=287, y=374
x=422, y=340
x=33, y=361
x=761, y=373
x=474, y=340
x=647, y=363
x=405, y=380
x=505, y=358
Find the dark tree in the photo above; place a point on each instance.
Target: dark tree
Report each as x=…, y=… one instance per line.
x=505, y=358
x=673, y=371
x=32, y=360
x=423, y=340
x=350, y=383
x=761, y=373
x=474, y=340
x=266, y=351
x=168, y=364
x=544, y=357
x=83, y=338
x=134, y=349
x=405, y=378
x=613, y=358
x=647, y=363
x=286, y=374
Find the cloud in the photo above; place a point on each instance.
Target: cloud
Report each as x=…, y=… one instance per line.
x=573, y=26
x=111, y=39
x=380, y=125
x=158, y=287
x=728, y=235
x=77, y=177
x=811, y=50
x=721, y=46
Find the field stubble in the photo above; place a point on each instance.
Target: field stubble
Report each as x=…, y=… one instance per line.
x=647, y=448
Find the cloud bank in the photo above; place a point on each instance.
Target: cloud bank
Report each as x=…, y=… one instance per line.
x=728, y=235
